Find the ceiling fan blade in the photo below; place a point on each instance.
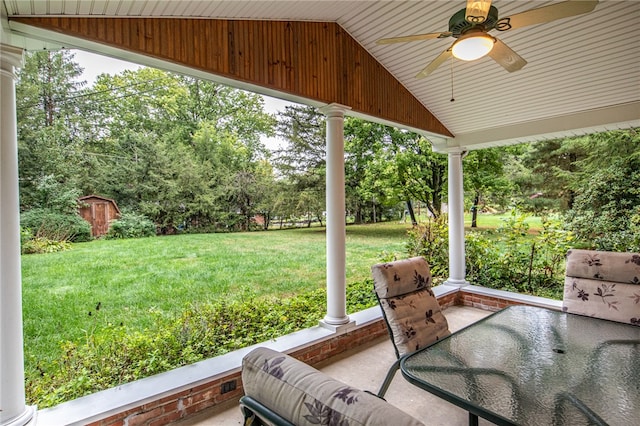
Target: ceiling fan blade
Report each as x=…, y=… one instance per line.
x=503, y=55
x=414, y=37
x=477, y=11
x=435, y=64
x=545, y=14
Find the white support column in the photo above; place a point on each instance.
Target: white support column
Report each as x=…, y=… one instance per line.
x=457, y=269
x=13, y=410
x=336, y=226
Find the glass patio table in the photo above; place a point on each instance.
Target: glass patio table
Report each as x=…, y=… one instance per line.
x=526, y=365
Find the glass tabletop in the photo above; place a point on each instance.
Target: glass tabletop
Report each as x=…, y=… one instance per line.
x=526, y=365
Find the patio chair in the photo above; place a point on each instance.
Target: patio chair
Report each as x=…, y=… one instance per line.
x=603, y=284
x=409, y=307
x=280, y=390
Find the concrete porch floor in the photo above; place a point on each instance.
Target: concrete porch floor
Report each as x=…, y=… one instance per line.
x=365, y=368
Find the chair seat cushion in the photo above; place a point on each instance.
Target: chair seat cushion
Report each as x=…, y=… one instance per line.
x=305, y=396
x=409, y=306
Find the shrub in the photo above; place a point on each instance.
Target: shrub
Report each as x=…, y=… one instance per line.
x=512, y=259
x=431, y=240
x=37, y=245
x=114, y=354
x=131, y=225
x=53, y=226
x=509, y=258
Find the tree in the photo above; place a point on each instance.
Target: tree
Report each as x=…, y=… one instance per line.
x=52, y=125
x=421, y=172
x=483, y=174
x=179, y=149
x=606, y=209
x=552, y=166
x=303, y=161
x=364, y=141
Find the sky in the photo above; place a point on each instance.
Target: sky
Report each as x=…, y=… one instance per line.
x=95, y=65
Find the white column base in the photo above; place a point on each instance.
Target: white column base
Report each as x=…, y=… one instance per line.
x=28, y=416
x=455, y=282
x=337, y=327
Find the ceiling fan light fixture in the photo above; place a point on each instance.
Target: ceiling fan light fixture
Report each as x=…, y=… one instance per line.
x=472, y=46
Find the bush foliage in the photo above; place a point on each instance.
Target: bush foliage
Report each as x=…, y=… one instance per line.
x=509, y=258
x=131, y=225
x=113, y=355
x=47, y=227
x=431, y=241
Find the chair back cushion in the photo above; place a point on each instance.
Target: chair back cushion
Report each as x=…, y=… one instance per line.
x=603, y=284
x=305, y=396
x=409, y=306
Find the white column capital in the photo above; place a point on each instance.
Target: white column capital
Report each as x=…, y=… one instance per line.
x=454, y=150
x=334, y=110
x=11, y=57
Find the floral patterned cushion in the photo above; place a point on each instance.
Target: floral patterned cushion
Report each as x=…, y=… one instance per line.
x=305, y=396
x=409, y=306
x=603, y=284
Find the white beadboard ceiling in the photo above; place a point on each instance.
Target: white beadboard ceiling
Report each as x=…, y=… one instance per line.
x=583, y=73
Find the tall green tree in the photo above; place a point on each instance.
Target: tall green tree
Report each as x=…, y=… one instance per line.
x=606, y=209
x=52, y=125
x=421, y=172
x=303, y=160
x=552, y=166
x=484, y=175
x=364, y=141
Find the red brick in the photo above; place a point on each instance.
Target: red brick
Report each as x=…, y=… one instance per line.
x=143, y=418
x=206, y=386
x=167, y=418
x=198, y=407
x=201, y=396
x=114, y=420
x=161, y=401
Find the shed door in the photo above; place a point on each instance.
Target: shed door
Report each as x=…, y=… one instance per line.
x=100, y=213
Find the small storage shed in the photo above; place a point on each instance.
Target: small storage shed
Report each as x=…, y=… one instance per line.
x=98, y=211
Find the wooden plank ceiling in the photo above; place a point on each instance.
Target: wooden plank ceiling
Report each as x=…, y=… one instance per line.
x=312, y=60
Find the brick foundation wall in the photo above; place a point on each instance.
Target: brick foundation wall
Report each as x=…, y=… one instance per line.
x=486, y=303
x=186, y=403
x=196, y=399
x=178, y=406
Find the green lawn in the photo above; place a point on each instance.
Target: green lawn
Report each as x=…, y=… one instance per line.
x=71, y=293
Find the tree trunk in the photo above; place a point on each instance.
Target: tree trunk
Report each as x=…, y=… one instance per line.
x=414, y=222
x=474, y=210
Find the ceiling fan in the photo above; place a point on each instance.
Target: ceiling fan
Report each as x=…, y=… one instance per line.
x=471, y=26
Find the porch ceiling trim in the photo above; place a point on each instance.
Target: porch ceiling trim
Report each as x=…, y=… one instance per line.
x=581, y=123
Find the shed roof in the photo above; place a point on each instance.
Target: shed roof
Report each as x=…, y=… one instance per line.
x=99, y=197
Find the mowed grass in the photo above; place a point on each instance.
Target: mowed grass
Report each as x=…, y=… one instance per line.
x=70, y=294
